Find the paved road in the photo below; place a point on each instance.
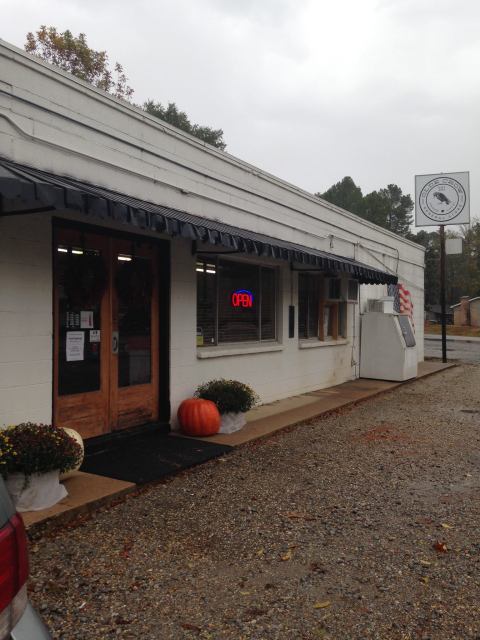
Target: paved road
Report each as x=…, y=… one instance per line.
x=456, y=350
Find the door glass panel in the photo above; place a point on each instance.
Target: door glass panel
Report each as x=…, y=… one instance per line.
x=82, y=277
x=134, y=294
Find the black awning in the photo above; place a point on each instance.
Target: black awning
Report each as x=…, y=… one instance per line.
x=26, y=190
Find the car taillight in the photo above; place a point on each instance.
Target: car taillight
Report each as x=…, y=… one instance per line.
x=22, y=551
x=13, y=573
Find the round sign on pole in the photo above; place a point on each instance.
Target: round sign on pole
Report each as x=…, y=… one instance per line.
x=442, y=198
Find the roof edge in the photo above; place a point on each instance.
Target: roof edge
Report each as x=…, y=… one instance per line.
x=138, y=112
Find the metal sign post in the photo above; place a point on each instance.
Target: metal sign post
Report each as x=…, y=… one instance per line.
x=441, y=199
x=442, y=292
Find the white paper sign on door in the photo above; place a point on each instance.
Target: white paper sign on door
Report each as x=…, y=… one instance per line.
x=95, y=335
x=75, y=346
x=86, y=319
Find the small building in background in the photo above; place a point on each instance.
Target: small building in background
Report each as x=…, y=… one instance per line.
x=475, y=312
x=466, y=313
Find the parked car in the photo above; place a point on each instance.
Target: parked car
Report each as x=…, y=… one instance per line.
x=18, y=619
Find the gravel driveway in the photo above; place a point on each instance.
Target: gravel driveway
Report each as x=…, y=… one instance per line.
x=361, y=525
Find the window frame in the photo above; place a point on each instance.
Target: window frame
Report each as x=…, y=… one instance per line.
x=216, y=261
x=323, y=301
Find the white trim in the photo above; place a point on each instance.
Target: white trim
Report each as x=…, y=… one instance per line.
x=314, y=343
x=237, y=350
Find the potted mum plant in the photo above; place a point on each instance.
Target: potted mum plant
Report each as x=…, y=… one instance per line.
x=32, y=457
x=233, y=400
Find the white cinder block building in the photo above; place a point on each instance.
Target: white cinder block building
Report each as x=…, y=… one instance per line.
x=137, y=262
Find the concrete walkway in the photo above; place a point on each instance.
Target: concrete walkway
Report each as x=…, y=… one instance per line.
x=87, y=492
x=269, y=418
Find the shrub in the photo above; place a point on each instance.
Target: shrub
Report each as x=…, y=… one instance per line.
x=230, y=396
x=37, y=448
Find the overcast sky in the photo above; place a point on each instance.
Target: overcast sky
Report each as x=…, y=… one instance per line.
x=309, y=90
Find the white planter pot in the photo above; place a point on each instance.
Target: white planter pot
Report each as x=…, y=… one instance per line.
x=36, y=492
x=232, y=422
x=78, y=438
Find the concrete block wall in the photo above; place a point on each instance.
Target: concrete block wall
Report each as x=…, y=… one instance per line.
x=25, y=319
x=26, y=328
x=57, y=123
x=283, y=371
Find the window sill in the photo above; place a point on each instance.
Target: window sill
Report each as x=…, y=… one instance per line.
x=237, y=350
x=314, y=344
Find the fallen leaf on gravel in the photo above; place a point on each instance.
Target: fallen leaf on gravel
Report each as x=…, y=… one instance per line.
x=322, y=605
x=317, y=567
x=425, y=579
x=287, y=556
x=425, y=563
x=190, y=627
x=441, y=547
x=446, y=526
x=245, y=593
x=260, y=552
x=127, y=547
x=298, y=515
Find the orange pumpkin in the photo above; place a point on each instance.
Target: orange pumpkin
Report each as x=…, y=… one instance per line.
x=199, y=417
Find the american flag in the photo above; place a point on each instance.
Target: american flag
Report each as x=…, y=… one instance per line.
x=402, y=300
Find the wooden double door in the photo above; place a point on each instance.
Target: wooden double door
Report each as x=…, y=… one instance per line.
x=106, y=336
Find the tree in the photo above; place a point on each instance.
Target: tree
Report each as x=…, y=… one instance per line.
x=172, y=114
x=462, y=270
x=431, y=241
x=467, y=264
x=345, y=194
x=72, y=53
x=388, y=208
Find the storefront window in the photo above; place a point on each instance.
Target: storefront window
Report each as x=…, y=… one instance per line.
x=321, y=313
x=81, y=279
x=308, y=304
x=236, y=302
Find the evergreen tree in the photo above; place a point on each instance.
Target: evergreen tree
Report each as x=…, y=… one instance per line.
x=389, y=207
x=345, y=194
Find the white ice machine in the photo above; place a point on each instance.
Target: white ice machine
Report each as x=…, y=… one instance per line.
x=388, y=347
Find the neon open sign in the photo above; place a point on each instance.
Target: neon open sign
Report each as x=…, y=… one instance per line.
x=242, y=298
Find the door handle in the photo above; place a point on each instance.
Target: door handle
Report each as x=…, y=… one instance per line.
x=114, y=342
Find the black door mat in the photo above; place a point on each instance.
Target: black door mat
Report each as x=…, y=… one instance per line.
x=150, y=456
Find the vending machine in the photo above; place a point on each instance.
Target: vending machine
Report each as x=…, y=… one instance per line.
x=388, y=350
